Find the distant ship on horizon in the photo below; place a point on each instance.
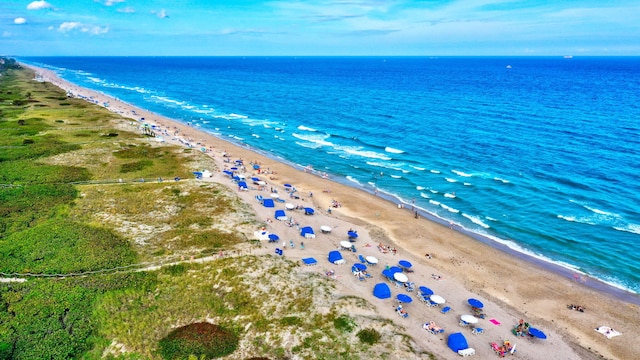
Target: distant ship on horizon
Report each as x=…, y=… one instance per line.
x=568, y=56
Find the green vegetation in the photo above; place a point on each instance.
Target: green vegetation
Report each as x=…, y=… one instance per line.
x=369, y=336
x=79, y=193
x=198, y=339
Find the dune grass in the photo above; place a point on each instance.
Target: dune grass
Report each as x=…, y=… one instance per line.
x=73, y=199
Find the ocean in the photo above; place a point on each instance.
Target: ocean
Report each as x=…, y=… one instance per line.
x=538, y=154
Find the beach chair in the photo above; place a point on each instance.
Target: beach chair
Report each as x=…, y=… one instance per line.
x=445, y=309
x=463, y=323
x=496, y=349
x=467, y=352
x=477, y=331
x=259, y=198
x=362, y=259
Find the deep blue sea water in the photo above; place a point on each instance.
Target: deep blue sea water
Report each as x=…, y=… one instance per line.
x=539, y=154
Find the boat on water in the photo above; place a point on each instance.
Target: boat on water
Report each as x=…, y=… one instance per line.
x=568, y=56
x=509, y=67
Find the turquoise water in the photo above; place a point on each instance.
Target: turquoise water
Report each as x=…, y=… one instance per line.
x=537, y=154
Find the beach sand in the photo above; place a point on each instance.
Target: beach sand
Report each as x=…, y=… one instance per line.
x=510, y=287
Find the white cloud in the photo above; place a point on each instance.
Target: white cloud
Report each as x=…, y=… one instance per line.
x=19, y=20
x=128, y=10
x=161, y=14
x=112, y=2
x=68, y=26
x=37, y=5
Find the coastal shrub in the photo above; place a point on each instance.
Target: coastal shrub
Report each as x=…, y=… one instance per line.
x=290, y=320
x=198, y=339
x=344, y=323
x=23, y=207
x=174, y=270
x=135, y=166
x=47, y=320
x=369, y=336
x=63, y=246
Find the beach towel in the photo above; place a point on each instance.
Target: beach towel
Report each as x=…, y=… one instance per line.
x=494, y=322
x=608, y=332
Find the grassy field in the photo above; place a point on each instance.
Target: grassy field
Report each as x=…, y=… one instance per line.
x=72, y=201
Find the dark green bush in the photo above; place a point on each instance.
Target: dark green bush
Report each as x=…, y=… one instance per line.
x=198, y=339
x=368, y=336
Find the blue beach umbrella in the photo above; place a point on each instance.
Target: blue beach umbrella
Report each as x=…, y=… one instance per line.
x=537, y=333
x=274, y=237
x=359, y=267
x=405, y=264
x=395, y=269
x=475, y=303
x=425, y=290
x=382, y=291
x=287, y=185
x=404, y=298
x=388, y=274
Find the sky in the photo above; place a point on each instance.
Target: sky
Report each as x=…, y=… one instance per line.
x=320, y=27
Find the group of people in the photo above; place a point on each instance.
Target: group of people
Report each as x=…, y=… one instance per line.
x=386, y=248
x=522, y=328
x=504, y=349
x=575, y=307
x=432, y=327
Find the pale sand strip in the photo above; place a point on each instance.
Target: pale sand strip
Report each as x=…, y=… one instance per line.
x=511, y=288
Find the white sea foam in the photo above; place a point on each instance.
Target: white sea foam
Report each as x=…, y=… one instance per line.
x=501, y=180
x=460, y=173
x=450, y=196
x=426, y=196
x=466, y=184
x=238, y=116
x=305, y=128
x=476, y=220
x=386, y=165
x=434, y=202
x=632, y=228
x=449, y=208
x=418, y=168
x=490, y=218
x=255, y=135
x=601, y=212
x=353, y=180
x=96, y=80
x=579, y=219
x=419, y=188
x=357, y=150
x=396, y=176
x=393, y=151
x=168, y=100
x=308, y=145
x=433, y=191
x=451, y=180
x=319, y=139
x=435, y=171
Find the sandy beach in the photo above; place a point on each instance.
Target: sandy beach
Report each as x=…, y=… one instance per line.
x=459, y=267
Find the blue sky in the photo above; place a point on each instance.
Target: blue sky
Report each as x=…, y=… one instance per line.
x=320, y=27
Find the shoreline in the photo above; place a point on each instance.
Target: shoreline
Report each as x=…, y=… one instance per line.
x=481, y=276
x=609, y=288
